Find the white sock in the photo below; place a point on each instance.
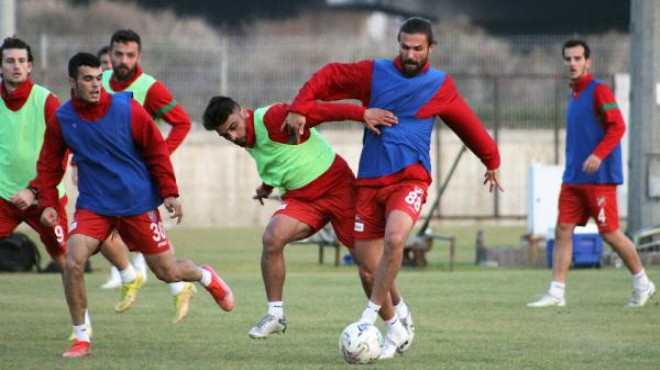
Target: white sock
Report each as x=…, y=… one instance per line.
x=139, y=262
x=557, y=289
x=402, y=309
x=370, y=313
x=641, y=281
x=88, y=321
x=206, y=277
x=81, y=333
x=176, y=288
x=276, y=308
x=128, y=274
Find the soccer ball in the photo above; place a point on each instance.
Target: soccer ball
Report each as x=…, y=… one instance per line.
x=360, y=343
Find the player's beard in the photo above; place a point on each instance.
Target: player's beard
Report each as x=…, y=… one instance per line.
x=412, y=68
x=123, y=72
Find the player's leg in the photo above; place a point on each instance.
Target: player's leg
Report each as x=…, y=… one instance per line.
x=573, y=211
x=145, y=233
x=86, y=233
x=604, y=210
x=295, y=221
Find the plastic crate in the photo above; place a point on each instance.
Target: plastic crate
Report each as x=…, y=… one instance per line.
x=587, y=250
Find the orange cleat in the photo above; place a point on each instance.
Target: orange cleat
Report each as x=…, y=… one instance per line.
x=220, y=290
x=78, y=349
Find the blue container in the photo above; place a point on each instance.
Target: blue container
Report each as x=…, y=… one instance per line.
x=587, y=250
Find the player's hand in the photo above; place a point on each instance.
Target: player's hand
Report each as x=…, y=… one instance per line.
x=490, y=178
x=592, y=164
x=295, y=123
x=49, y=217
x=262, y=194
x=173, y=206
x=23, y=199
x=378, y=117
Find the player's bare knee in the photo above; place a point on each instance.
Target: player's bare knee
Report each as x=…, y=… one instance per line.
x=272, y=243
x=74, y=267
x=395, y=241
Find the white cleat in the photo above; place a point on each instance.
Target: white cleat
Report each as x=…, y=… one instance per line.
x=547, y=300
x=410, y=328
x=267, y=326
x=641, y=296
x=396, y=337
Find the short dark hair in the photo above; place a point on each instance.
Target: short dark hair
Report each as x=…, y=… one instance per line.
x=103, y=50
x=126, y=36
x=217, y=111
x=82, y=59
x=575, y=42
x=417, y=25
x=16, y=43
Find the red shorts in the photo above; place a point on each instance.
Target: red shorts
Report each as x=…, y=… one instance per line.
x=54, y=238
x=579, y=202
x=335, y=206
x=143, y=233
x=374, y=204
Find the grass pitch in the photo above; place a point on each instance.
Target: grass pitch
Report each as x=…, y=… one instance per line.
x=473, y=318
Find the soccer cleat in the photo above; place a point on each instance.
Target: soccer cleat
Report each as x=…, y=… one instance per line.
x=220, y=290
x=410, y=328
x=72, y=337
x=114, y=280
x=267, y=326
x=547, y=300
x=129, y=292
x=396, y=338
x=641, y=296
x=78, y=349
x=182, y=302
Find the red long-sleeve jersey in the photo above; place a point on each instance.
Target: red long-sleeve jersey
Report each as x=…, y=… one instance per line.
x=160, y=103
x=337, y=81
x=606, y=108
x=145, y=134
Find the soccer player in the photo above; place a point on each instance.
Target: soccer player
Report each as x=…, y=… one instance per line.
x=316, y=184
x=594, y=128
x=127, y=75
x=395, y=167
x=24, y=109
x=104, y=56
x=125, y=173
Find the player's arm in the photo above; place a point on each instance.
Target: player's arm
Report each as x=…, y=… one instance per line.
x=610, y=117
x=50, y=170
x=154, y=151
x=160, y=103
x=449, y=105
x=334, y=112
x=335, y=81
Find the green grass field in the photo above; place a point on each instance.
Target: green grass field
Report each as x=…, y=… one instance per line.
x=473, y=318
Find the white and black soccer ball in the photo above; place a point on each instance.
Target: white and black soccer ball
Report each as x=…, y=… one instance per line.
x=360, y=343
